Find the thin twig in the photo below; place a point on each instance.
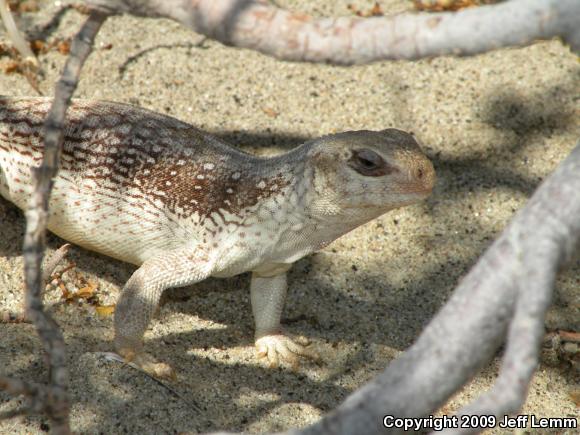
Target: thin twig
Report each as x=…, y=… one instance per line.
x=28, y=63
x=54, y=261
x=55, y=403
x=17, y=387
x=17, y=39
x=111, y=356
x=12, y=413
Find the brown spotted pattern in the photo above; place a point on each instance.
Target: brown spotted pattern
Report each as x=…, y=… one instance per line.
x=134, y=153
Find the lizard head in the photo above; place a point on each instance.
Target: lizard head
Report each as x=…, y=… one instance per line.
x=370, y=172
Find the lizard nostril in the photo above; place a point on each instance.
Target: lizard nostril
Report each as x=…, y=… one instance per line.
x=420, y=173
x=424, y=175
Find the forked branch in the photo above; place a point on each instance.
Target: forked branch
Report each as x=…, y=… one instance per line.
x=508, y=290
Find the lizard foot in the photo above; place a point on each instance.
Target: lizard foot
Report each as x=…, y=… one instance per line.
x=277, y=347
x=148, y=364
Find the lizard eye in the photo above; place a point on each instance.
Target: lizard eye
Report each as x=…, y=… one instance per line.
x=367, y=162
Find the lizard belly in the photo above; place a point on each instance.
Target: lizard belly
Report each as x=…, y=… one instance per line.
x=272, y=253
x=98, y=222
x=107, y=222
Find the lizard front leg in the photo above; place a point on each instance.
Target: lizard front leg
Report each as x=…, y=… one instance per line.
x=267, y=296
x=140, y=298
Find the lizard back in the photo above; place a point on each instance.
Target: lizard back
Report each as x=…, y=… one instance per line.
x=132, y=182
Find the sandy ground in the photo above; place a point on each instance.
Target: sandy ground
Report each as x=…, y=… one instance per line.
x=495, y=125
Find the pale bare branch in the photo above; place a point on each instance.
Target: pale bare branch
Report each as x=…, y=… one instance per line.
x=509, y=287
x=17, y=39
x=295, y=36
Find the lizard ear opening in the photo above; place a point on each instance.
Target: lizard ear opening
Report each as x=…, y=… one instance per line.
x=368, y=163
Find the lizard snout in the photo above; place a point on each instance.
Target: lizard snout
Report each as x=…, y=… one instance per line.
x=423, y=175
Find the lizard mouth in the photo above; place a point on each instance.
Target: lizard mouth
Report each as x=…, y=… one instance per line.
x=388, y=198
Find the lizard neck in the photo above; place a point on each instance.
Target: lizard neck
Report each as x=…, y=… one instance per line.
x=313, y=203
x=304, y=216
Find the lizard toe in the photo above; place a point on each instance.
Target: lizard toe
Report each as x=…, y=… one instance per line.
x=280, y=348
x=148, y=364
x=160, y=370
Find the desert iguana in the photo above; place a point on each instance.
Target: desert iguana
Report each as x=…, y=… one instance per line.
x=183, y=206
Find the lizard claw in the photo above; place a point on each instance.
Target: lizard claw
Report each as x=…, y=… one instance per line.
x=280, y=348
x=148, y=364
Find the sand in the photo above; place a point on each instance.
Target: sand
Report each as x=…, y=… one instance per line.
x=494, y=125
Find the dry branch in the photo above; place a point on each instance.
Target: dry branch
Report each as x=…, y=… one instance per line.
x=508, y=290
x=17, y=39
x=51, y=399
x=295, y=36
x=53, y=261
